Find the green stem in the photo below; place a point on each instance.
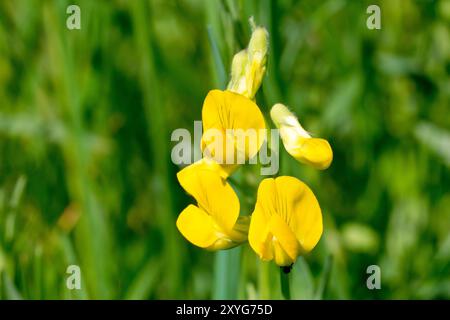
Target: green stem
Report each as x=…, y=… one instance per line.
x=264, y=280
x=226, y=275
x=285, y=284
x=227, y=262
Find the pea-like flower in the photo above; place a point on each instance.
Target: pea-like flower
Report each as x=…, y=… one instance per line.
x=286, y=221
x=214, y=223
x=233, y=128
x=298, y=142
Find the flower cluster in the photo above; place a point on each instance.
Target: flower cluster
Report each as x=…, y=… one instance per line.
x=287, y=219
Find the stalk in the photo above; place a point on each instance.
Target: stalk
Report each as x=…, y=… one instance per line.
x=227, y=263
x=285, y=282
x=264, y=279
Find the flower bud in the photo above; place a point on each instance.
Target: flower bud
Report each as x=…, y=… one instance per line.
x=248, y=66
x=298, y=142
x=238, y=82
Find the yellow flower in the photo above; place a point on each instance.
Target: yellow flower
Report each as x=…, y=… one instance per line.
x=286, y=222
x=249, y=65
x=233, y=129
x=298, y=142
x=214, y=223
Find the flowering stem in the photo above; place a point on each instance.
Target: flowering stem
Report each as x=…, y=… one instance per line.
x=285, y=282
x=226, y=275
x=264, y=280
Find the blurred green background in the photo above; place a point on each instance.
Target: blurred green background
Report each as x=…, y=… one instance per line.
x=85, y=123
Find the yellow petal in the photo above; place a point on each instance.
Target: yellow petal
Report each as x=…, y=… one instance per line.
x=206, y=164
x=234, y=120
x=298, y=142
x=267, y=197
x=286, y=222
x=215, y=153
x=272, y=239
x=303, y=212
x=197, y=227
x=288, y=251
x=281, y=257
x=259, y=236
x=315, y=152
x=213, y=194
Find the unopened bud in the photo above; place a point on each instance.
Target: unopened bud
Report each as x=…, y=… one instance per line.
x=249, y=66
x=238, y=66
x=298, y=142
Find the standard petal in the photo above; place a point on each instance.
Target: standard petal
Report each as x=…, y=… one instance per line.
x=215, y=152
x=213, y=194
x=302, y=211
x=238, y=120
x=197, y=227
x=267, y=198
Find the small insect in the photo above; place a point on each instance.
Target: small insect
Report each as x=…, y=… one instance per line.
x=287, y=269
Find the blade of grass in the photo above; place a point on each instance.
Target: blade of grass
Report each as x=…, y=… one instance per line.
x=303, y=285
x=144, y=281
x=221, y=76
x=11, y=292
x=272, y=84
x=70, y=258
x=322, y=286
x=154, y=111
